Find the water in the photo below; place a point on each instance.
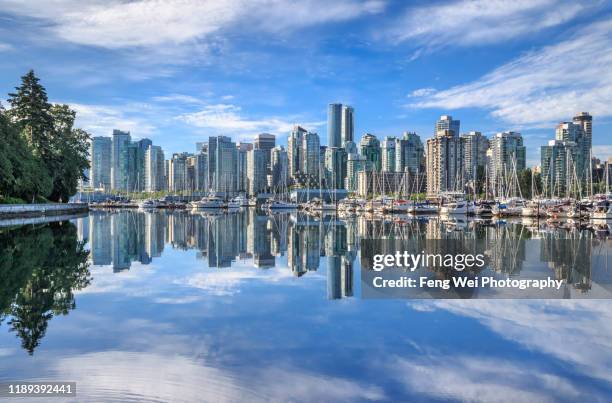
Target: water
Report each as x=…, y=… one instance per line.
x=169, y=306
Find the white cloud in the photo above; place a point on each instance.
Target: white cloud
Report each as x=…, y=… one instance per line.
x=469, y=22
x=474, y=379
x=549, y=326
x=544, y=86
x=228, y=119
x=100, y=120
x=149, y=23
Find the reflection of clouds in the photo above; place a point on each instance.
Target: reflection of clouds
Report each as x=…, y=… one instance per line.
x=480, y=380
x=117, y=375
x=105, y=280
x=224, y=282
x=577, y=332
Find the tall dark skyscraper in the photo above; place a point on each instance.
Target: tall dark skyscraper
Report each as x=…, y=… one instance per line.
x=334, y=125
x=340, y=125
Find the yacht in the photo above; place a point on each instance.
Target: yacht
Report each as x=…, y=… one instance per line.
x=148, y=204
x=241, y=201
x=422, y=208
x=483, y=208
x=602, y=211
x=511, y=208
x=211, y=202
x=456, y=204
x=533, y=209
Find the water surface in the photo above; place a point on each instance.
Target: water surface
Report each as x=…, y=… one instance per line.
x=172, y=306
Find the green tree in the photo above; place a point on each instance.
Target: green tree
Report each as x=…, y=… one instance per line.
x=71, y=149
x=22, y=174
x=30, y=109
x=50, y=135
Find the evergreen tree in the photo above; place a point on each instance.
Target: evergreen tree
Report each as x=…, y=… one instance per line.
x=30, y=109
x=51, y=138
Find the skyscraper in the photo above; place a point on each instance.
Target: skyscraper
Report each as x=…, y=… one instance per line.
x=347, y=128
x=388, y=154
x=256, y=171
x=334, y=125
x=265, y=142
x=154, y=169
x=120, y=160
x=100, y=162
x=443, y=163
x=226, y=167
x=177, y=173
x=243, y=149
x=474, y=148
x=369, y=147
x=280, y=167
x=335, y=167
x=311, y=155
x=507, y=154
x=409, y=154
x=565, y=161
x=294, y=150
x=340, y=125
x=136, y=164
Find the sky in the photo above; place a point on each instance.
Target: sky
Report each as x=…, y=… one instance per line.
x=178, y=71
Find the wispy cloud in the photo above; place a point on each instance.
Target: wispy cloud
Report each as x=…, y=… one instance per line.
x=100, y=120
x=229, y=119
x=542, y=86
x=477, y=22
x=152, y=23
x=477, y=379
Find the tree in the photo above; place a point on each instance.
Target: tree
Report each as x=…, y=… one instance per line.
x=22, y=174
x=30, y=109
x=71, y=148
x=50, y=136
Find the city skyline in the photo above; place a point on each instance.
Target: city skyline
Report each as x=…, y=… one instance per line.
x=175, y=82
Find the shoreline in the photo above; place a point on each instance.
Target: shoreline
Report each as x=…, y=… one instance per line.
x=12, y=211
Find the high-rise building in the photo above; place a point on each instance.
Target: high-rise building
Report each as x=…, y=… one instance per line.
x=565, y=161
x=120, y=160
x=409, y=154
x=154, y=169
x=507, y=155
x=446, y=122
x=201, y=172
x=443, y=163
x=474, y=148
x=369, y=147
x=243, y=149
x=226, y=166
x=340, y=125
x=280, y=167
x=294, y=150
x=256, y=171
x=100, y=162
x=266, y=142
x=311, y=155
x=136, y=164
x=347, y=128
x=334, y=125
x=335, y=167
x=388, y=154
x=177, y=172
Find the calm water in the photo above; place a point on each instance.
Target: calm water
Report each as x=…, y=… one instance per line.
x=161, y=306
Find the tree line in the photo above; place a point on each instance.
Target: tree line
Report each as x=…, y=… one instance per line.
x=42, y=155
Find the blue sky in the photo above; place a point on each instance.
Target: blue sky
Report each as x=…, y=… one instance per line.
x=180, y=71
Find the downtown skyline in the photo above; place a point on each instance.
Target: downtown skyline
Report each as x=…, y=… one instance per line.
x=176, y=83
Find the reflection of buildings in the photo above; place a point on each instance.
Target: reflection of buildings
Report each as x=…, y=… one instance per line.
x=118, y=239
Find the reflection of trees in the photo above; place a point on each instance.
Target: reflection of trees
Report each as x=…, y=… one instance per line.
x=40, y=267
